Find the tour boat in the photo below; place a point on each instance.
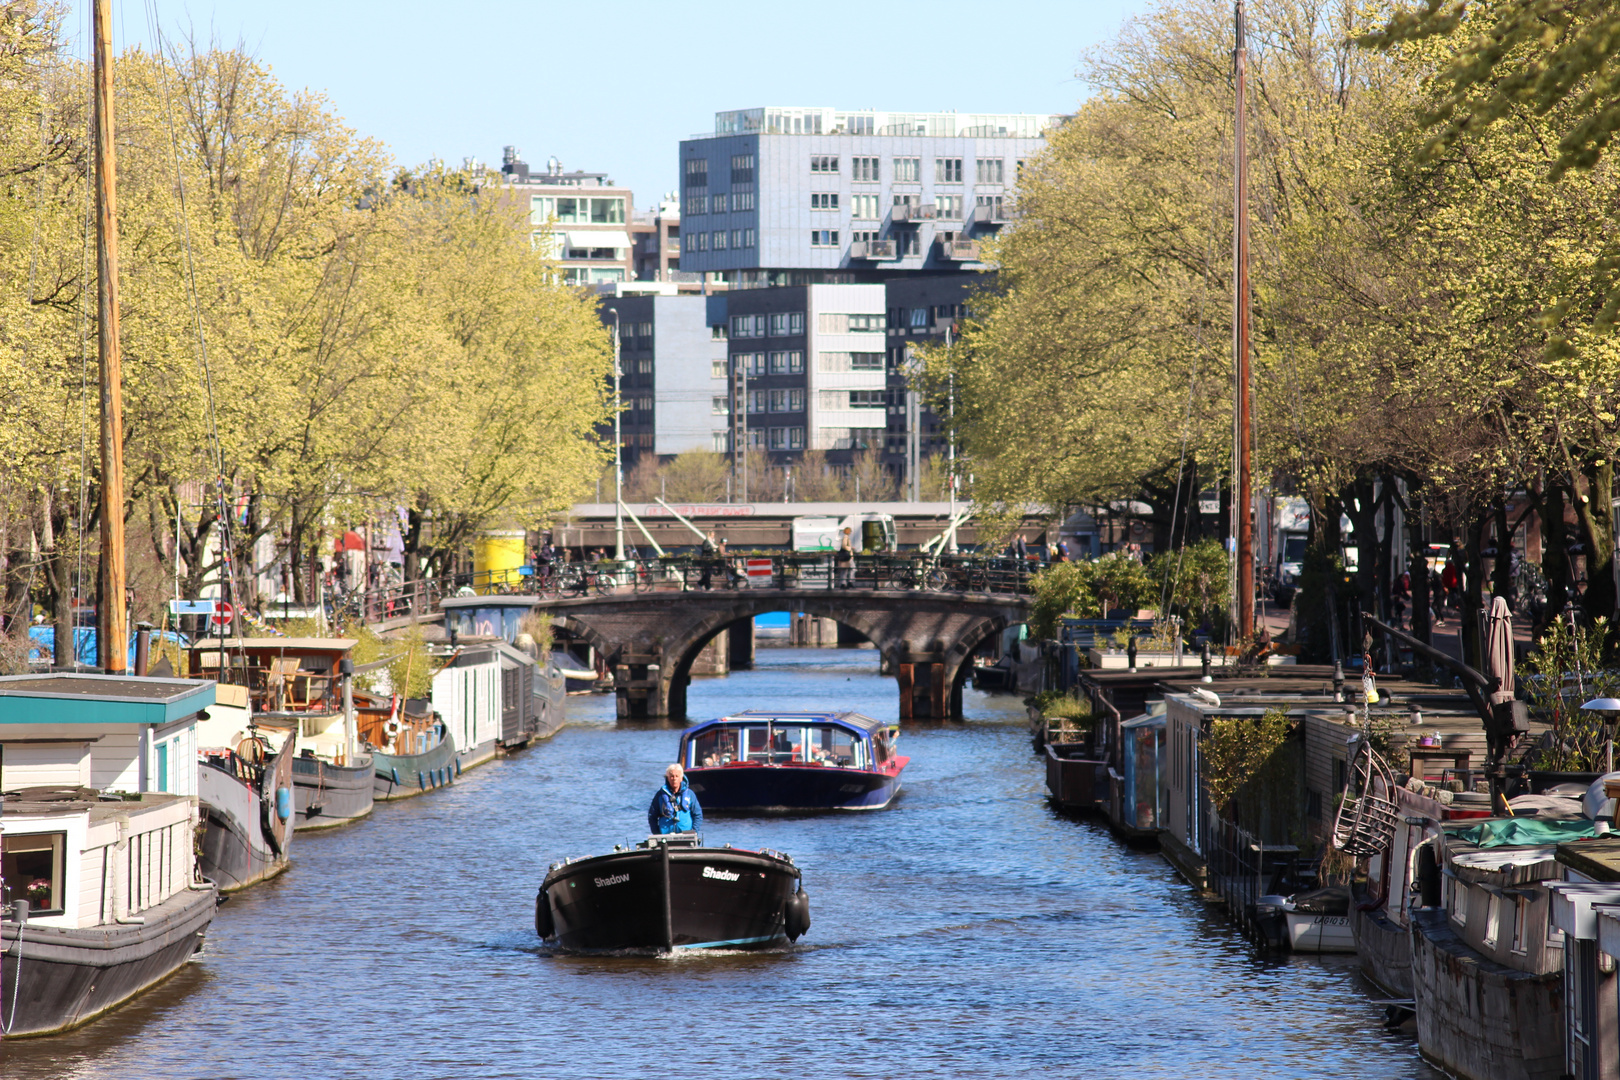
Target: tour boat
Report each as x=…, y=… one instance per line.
x=777, y=762
x=101, y=777
x=669, y=893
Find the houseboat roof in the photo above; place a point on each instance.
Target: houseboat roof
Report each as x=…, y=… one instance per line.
x=74, y=698
x=278, y=644
x=754, y=716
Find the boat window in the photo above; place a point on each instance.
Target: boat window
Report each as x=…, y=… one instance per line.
x=834, y=746
x=32, y=870
x=777, y=744
x=880, y=746
x=717, y=746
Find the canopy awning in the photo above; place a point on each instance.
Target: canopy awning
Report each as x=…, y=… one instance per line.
x=600, y=238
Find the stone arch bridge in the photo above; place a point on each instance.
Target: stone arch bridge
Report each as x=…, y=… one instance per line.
x=650, y=640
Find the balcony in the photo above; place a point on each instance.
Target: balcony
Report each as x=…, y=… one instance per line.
x=903, y=213
x=991, y=213
x=874, y=249
x=959, y=250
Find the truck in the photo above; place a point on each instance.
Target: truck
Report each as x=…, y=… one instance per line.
x=867, y=532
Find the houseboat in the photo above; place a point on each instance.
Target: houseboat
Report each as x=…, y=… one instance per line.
x=777, y=762
x=490, y=644
x=1488, y=960
x=669, y=893
x=292, y=689
x=412, y=751
x=101, y=891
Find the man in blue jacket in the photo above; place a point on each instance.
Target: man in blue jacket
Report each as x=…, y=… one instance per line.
x=674, y=808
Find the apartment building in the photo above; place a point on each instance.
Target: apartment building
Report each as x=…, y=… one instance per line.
x=808, y=368
x=673, y=365
x=578, y=218
x=656, y=238
x=802, y=196
x=920, y=310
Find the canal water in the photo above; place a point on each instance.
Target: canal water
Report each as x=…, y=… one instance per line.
x=967, y=931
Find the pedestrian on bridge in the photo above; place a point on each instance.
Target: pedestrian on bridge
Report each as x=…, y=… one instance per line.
x=843, y=560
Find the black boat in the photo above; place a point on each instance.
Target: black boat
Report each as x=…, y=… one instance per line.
x=669, y=893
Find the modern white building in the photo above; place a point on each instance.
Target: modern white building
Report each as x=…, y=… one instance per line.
x=787, y=196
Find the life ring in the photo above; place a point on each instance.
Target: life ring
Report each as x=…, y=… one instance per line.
x=543, y=924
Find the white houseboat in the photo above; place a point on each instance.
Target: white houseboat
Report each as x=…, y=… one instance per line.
x=101, y=893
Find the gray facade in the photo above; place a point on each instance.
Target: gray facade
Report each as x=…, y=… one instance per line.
x=673, y=374
x=800, y=196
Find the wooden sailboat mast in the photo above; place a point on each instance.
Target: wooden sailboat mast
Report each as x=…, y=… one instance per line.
x=112, y=629
x=1242, y=495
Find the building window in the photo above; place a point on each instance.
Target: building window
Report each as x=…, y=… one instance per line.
x=747, y=326
x=722, y=442
x=948, y=170
x=742, y=200
x=865, y=207
x=779, y=401
x=919, y=318
x=742, y=169
x=644, y=331
x=779, y=438
x=748, y=239
x=717, y=240
x=865, y=399
x=576, y=211
x=910, y=242
x=833, y=322
x=787, y=362
x=1018, y=169
x=697, y=205
x=32, y=870
x=698, y=241
x=756, y=438
x=751, y=363
x=717, y=204
x=824, y=200
x=787, y=323
x=948, y=207
x=644, y=404
x=907, y=170
x=823, y=237
x=989, y=207
x=796, y=438
x=864, y=169
x=644, y=366
x=990, y=171
x=845, y=361
x=758, y=400
x=696, y=173
x=864, y=237
x=717, y=332
x=823, y=163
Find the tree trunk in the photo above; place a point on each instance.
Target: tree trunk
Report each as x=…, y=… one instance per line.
x=1554, y=552
x=1596, y=510
x=296, y=555
x=1473, y=591
x=413, y=543
x=1502, y=572
x=1417, y=567
x=58, y=576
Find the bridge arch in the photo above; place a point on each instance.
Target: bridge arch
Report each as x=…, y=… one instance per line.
x=925, y=639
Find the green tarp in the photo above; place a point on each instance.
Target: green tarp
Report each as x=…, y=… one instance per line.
x=1519, y=832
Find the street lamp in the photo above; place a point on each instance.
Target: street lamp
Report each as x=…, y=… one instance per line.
x=618, y=452
x=1608, y=709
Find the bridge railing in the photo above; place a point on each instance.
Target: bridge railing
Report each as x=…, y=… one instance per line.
x=889, y=572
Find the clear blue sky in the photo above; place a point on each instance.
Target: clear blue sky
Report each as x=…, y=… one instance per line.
x=613, y=87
